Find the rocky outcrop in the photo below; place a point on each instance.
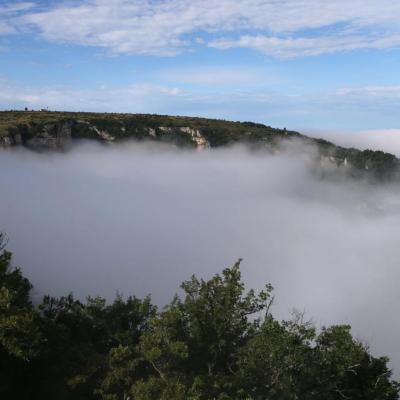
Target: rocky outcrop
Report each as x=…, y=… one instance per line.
x=56, y=130
x=103, y=134
x=60, y=134
x=5, y=142
x=52, y=136
x=10, y=140
x=197, y=137
x=194, y=135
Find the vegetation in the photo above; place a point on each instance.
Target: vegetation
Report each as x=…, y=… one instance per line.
x=28, y=125
x=215, y=342
x=218, y=132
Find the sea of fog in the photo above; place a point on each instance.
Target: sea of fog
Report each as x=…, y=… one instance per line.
x=140, y=219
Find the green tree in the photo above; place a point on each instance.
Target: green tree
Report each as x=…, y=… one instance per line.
x=196, y=341
x=96, y=343
x=20, y=336
x=216, y=342
x=276, y=362
x=347, y=369
x=126, y=322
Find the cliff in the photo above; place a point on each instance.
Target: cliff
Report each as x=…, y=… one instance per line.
x=51, y=130
x=42, y=131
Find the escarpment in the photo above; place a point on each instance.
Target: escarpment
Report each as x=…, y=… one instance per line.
x=60, y=134
x=49, y=131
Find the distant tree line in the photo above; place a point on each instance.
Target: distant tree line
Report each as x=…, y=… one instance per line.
x=215, y=342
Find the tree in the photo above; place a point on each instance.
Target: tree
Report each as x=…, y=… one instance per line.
x=347, y=370
x=196, y=341
x=208, y=346
x=288, y=360
x=216, y=342
x=275, y=363
x=96, y=342
x=126, y=322
x=20, y=336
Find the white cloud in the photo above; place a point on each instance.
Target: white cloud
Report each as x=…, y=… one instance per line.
x=370, y=91
x=370, y=99
x=216, y=75
x=134, y=98
x=13, y=8
x=387, y=140
x=6, y=28
x=8, y=13
x=295, y=47
x=286, y=28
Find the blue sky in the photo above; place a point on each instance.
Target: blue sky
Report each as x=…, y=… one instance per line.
x=300, y=64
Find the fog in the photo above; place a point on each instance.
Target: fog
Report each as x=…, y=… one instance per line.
x=140, y=219
x=387, y=140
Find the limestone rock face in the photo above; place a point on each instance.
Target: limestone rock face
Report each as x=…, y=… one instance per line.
x=197, y=137
x=52, y=136
x=194, y=134
x=152, y=132
x=5, y=142
x=103, y=134
x=10, y=140
x=60, y=134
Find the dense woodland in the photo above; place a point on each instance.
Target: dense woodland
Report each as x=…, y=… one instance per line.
x=216, y=341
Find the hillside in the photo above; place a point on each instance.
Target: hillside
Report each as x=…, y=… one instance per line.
x=42, y=130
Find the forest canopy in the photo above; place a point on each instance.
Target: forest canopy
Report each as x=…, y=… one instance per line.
x=215, y=341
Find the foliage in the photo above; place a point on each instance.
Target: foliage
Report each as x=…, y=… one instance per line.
x=215, y=342
x=22, y=126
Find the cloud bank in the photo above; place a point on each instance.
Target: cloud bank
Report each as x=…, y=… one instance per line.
x=387, y=140
x=140, y=219
x=285, y=29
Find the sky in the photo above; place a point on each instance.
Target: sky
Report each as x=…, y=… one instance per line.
x=301, y=64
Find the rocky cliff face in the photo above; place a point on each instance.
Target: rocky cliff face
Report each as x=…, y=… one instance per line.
x=52, y=136
x=193, y=135
x=196, y=136
x=57, y=130
x=59, y=135
x=47, y=137
x=5, y=142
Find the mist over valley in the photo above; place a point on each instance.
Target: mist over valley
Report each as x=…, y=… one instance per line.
x=140, y=218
